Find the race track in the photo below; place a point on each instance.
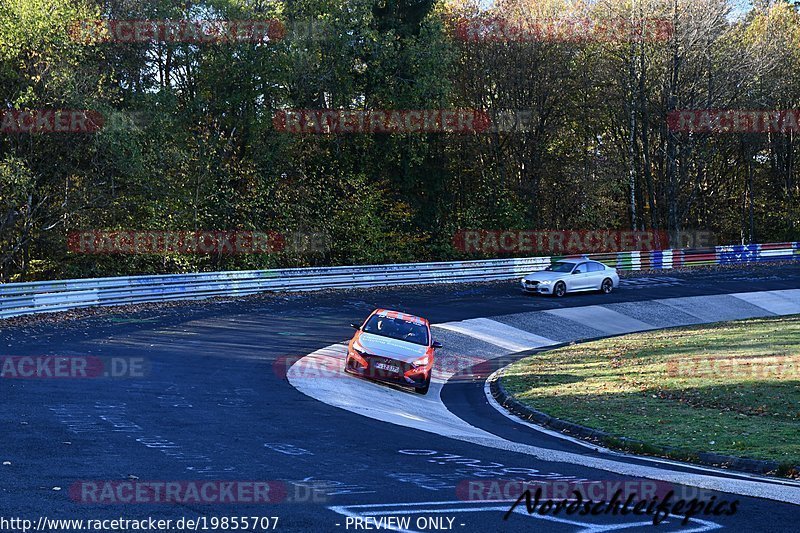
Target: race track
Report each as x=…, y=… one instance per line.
x=216, y=404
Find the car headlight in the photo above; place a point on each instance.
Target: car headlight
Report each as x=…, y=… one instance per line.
x=359, y=349
x=422, y=361
x=548, y=282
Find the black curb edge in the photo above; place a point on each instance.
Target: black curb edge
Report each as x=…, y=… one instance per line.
x=601, y=438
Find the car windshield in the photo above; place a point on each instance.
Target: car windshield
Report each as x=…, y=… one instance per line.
x=397, y=328
x=560, y=267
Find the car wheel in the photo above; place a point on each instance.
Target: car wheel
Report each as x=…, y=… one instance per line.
x=607, y=286
x=560, y=289
x=424, y=388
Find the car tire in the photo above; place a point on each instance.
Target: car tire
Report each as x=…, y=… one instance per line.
x=607, y=286
x=560, y=289
x=424, y=389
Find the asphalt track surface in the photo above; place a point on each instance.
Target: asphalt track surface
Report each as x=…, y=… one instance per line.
x=215, y=404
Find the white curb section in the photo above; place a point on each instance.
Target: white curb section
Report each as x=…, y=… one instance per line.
x=499, y=334
x=320, y=375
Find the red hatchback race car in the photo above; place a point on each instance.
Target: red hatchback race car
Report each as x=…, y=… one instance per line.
x=393, y=347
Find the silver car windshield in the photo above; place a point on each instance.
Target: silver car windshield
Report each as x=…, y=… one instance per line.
x=396, y=328
x=560, y=266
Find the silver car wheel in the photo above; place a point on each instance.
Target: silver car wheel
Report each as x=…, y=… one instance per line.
x=560, y=289
x=607, y=286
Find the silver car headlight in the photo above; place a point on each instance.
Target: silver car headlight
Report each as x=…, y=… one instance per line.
x=548, y=282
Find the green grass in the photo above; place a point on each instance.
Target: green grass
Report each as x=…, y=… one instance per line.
x=731, y=388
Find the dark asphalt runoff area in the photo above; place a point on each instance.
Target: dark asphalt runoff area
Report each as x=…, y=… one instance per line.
x=212, y=403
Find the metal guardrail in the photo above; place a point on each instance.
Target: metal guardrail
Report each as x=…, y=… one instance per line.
x=50, y=296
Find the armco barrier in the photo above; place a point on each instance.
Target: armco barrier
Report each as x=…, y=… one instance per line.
x=49, y=296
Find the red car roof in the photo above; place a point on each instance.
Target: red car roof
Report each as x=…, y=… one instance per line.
x=402, y=316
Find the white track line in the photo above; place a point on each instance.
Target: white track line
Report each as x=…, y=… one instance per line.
x=714, y=308
x=499, y=334
x=602, y=319
x=772, y=301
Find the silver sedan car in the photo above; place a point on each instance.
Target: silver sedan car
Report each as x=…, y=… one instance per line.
x=572, y=275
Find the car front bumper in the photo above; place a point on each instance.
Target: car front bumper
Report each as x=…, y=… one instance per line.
x=407, y=375
x=536, y=287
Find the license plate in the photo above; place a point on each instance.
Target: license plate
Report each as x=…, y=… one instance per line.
x=388, y=368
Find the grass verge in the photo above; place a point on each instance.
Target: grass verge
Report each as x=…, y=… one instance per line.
x=731, y=388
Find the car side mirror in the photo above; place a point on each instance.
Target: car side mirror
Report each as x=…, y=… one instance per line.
x=577, y=272
x=436, y=344
x=354, y=325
